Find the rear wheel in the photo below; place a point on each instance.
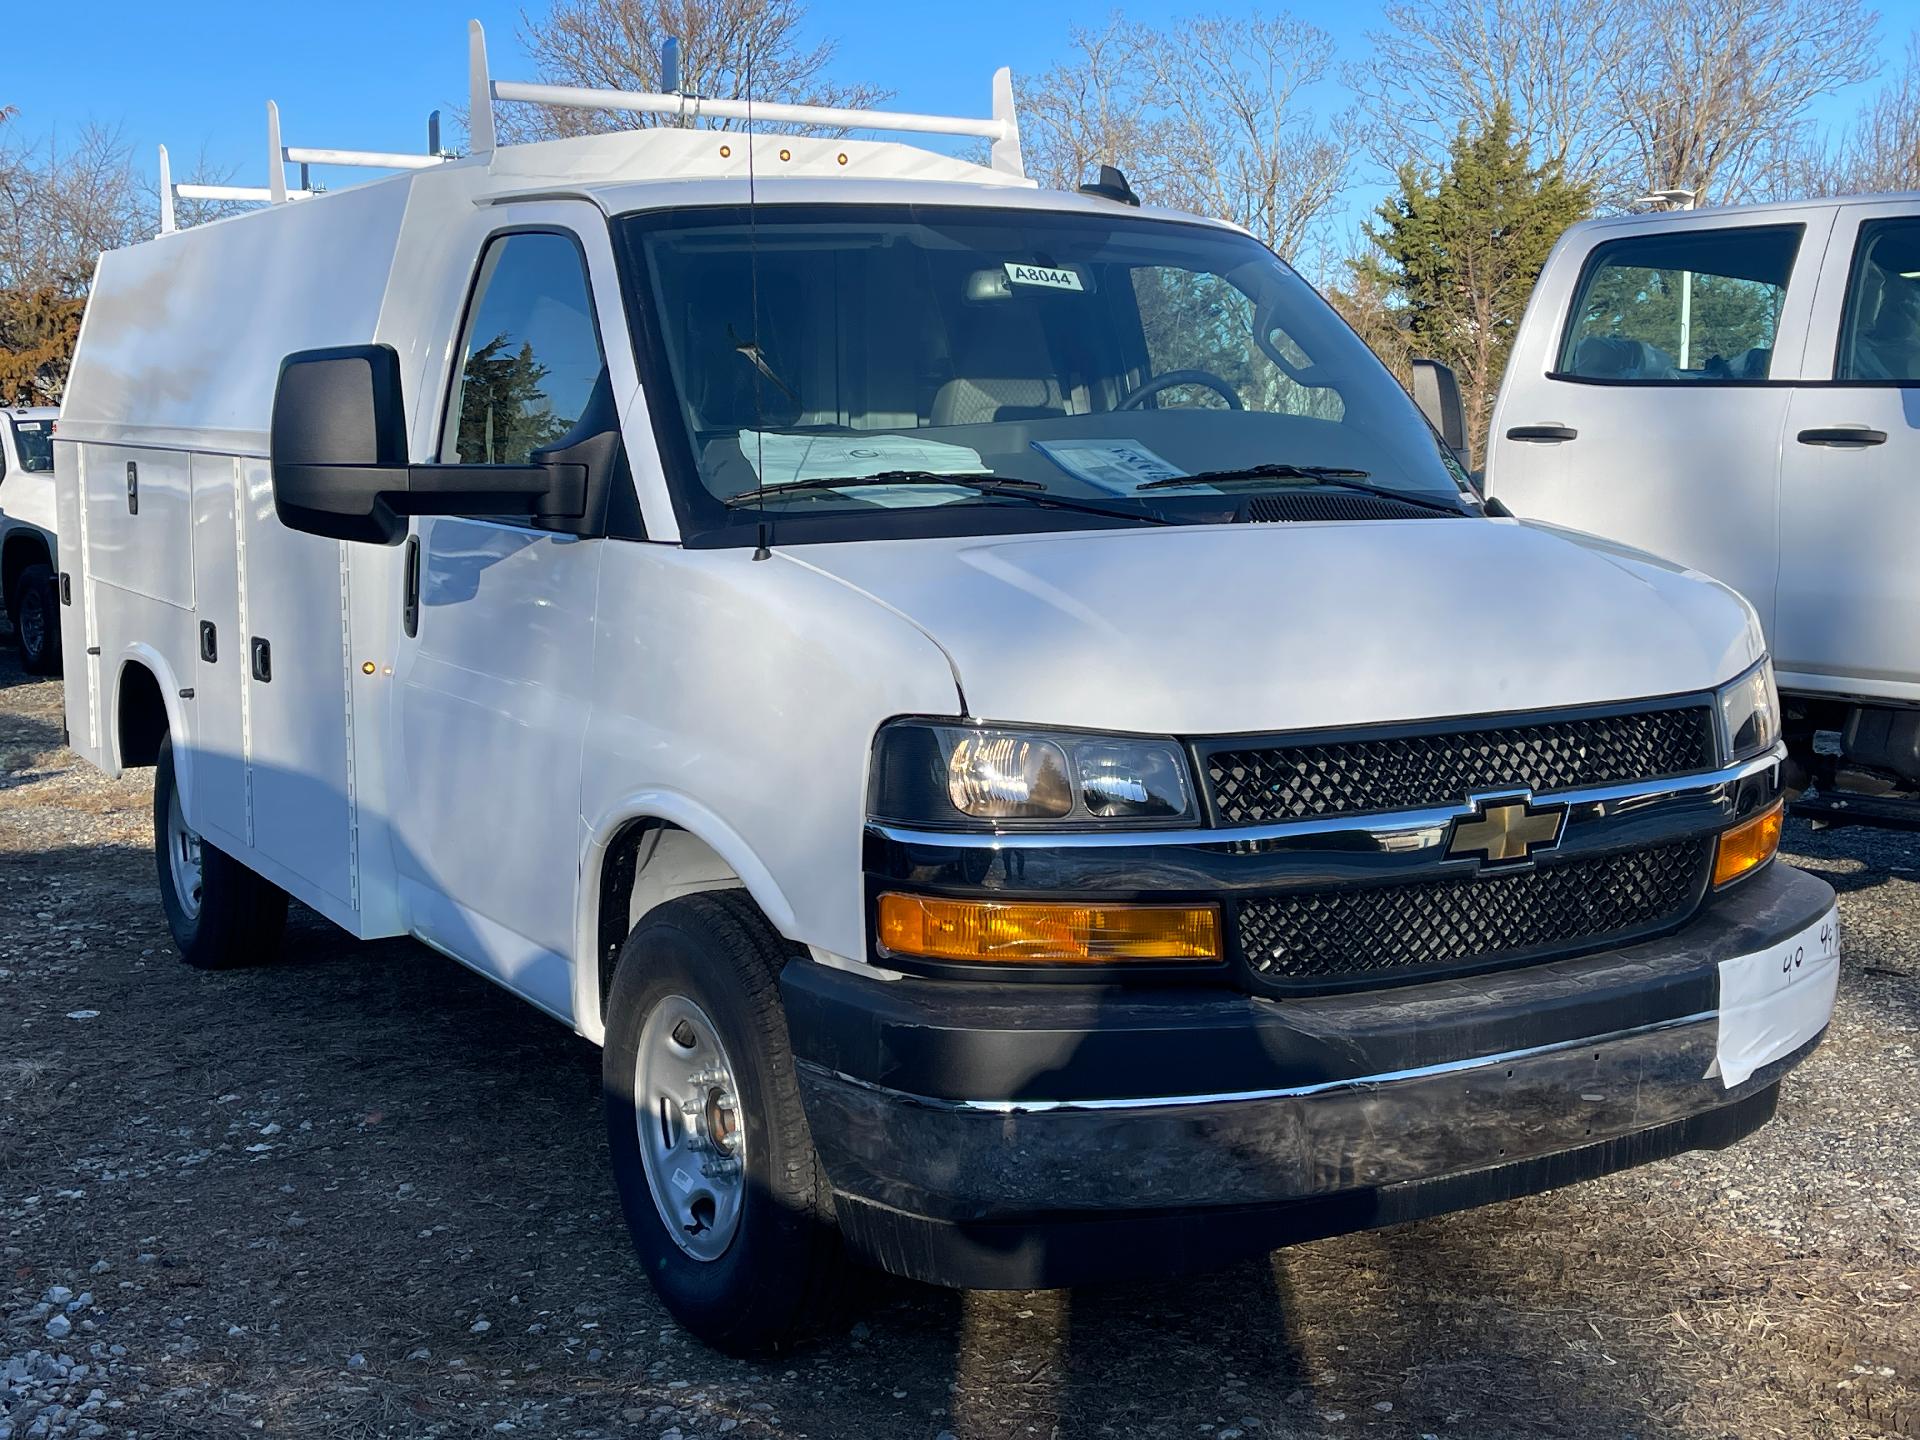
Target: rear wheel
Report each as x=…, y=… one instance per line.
x=222, y=915
x=36, y=620
x=724, y=1197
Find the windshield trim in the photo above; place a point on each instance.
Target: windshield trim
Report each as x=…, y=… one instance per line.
x=705, y=521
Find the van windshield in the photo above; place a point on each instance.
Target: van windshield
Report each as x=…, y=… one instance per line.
x=33, y=442
x=845, y=361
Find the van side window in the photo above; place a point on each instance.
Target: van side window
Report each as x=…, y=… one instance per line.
x=1689, y=305
x=1880, y=329
x=530, y=352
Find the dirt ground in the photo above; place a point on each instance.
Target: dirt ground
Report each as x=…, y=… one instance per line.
x=363, y=1193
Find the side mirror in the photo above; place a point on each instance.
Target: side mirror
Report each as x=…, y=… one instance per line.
x=338, y=449
x=1436, y=390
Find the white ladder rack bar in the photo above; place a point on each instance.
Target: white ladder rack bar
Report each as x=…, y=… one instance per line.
x=370, y=159
x=188, y=191
x=1002, y=127
x=279, y=156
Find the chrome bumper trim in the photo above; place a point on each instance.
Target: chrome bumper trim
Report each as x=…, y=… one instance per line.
x=1292, y=1092
x=1397, y=831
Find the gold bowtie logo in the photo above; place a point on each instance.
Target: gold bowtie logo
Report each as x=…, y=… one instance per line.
x=1502, y=832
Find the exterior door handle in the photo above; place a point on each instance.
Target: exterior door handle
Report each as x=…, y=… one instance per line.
x=262, y=660
x=1843, y=435
x=209, y=642
x=1543, y=434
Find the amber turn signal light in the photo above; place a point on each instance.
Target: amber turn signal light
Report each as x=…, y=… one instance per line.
x=1748, y=845
x=1024, y=933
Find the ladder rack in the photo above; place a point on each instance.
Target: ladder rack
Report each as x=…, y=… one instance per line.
x=280, y=156
x=1001, y=127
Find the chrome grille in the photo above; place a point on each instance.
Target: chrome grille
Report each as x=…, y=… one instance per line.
x=1253, y=783
x=1307, y=938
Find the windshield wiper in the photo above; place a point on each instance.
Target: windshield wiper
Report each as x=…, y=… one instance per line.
x=1029, y=490
x=1342, y=476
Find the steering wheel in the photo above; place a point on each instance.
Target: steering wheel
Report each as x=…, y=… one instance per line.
x=1173, y=379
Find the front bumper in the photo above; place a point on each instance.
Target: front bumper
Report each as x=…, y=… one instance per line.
x=1010, y=1136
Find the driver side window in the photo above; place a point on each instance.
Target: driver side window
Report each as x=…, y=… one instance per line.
x=1199, y=321
x=529, y=353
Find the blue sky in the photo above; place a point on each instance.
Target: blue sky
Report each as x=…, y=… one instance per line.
x=364, y=75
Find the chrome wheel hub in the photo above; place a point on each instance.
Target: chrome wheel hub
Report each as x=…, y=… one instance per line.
x=183, y=858
x=692, y=1138
x=33, y=628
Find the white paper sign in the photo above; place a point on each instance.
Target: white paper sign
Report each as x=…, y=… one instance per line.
x=1051, y=276
x=1773, y=1002
x=1121, y=466
x=778, y=458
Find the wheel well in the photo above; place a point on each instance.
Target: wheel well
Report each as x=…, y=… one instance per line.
x=650, y=862
x=23, y=548
x=142, y=716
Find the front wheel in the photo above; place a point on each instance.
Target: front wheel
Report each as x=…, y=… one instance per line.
x=724, y=1197
x=36, y=621
x=222, y=915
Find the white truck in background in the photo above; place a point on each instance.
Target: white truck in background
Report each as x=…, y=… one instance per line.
x=1738, y=389
x=28, y=585
x=990, y=705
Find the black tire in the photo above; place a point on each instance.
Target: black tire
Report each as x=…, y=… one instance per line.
x=240, y=916
x=34, y=609
x=783, y=1275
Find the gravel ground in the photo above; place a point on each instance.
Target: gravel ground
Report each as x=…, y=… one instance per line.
x=360, y=1193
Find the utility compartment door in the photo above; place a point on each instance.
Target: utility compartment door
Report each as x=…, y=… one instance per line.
x=1848, y=616
x=297, y=718
x=217, y=803
x=1642, y=403
x=77, y=628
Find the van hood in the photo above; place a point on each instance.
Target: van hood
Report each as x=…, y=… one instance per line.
x=1243, y=628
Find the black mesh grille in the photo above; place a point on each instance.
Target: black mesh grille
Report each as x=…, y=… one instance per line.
x=1334, y=505
x=1318, y=936
x=1257, y=784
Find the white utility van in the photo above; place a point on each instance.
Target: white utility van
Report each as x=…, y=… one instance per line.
x=27, y=584
x=1739, y=389
x=991, y=705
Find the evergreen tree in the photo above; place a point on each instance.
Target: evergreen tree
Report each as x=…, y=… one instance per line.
x=1458, y=253
x=505, y=414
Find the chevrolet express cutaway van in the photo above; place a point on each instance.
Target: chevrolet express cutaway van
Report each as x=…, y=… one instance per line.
x=991, y=706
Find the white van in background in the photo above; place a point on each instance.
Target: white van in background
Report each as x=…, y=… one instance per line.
x=1739, y=390
x=990, y=705
x=28, y=587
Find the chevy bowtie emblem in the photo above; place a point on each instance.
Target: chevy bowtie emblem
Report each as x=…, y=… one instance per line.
x=1504, y=831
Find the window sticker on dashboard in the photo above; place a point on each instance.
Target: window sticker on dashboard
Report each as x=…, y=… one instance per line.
x=1121, y=466
x=1773, y=1002
x=1052, y=277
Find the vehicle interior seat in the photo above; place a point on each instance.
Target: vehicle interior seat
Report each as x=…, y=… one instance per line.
x=1615, y=357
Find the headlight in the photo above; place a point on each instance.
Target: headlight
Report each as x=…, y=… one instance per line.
x=1750, y=713
x=944, y=775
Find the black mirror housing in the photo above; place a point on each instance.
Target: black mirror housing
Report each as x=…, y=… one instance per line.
x=338, y=439
x=338, y=449
x=1436, y=390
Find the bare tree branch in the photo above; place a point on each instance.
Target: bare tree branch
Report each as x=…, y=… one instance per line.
x=615, y=45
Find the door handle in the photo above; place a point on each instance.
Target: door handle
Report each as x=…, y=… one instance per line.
x=1543, y=434
x=209, y=642
x=410, y=605
x=1843, y=435
x=262, y=660
x=133, y=487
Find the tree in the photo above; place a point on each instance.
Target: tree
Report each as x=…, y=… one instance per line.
x=1208, y=115
x=505, y=413
x=1437, y=66
x=1458, y=252
x=1879, y=152
x=615, y=45
x=59, y=208
x=1719, y=89
x=1629, y=96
